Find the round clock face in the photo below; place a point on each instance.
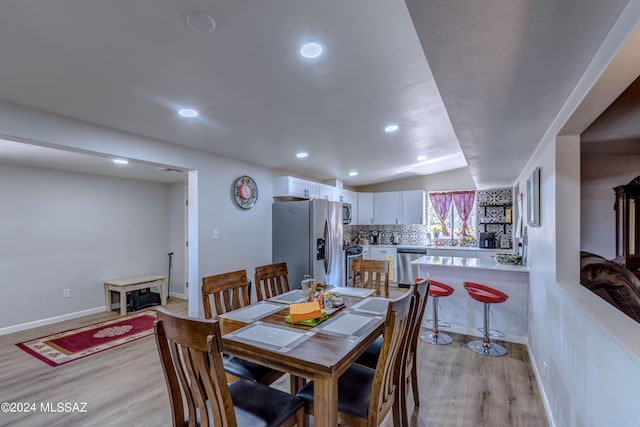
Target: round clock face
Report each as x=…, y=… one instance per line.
x=245, y=192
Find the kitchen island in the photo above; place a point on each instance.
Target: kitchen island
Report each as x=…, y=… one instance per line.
x=464, y=313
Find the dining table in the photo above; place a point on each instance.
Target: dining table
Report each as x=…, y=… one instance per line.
x=260, y=333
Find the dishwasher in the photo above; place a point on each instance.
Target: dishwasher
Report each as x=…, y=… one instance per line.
x=407, y=273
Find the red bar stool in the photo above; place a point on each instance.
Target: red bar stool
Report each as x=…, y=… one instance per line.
x=437, y=290
x=486, y=295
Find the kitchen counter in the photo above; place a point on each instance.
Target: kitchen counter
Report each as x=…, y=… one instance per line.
x=466, y=314
x=468, y=262
x=445, y=248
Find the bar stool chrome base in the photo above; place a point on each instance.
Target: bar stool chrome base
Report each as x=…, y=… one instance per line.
x=492, y=332
x=441, y=324
x=439, y=339
x=491, y=349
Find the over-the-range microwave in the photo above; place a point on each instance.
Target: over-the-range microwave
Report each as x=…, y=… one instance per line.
x=346, y=213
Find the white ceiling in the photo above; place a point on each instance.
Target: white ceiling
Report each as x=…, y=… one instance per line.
x=502, y=69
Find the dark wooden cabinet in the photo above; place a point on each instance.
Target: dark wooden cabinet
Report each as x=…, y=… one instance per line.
x=627, y=209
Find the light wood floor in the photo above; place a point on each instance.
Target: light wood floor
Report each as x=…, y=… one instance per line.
x=125, y=385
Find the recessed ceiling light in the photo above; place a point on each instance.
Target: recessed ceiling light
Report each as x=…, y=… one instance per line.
x=353, y=173
x=188, y=112
x=201, y=22
x=421, y=158
x=311, y=50
x=391, y=128
x=302, y=155
x=121, y=161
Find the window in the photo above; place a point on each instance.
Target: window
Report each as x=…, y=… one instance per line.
x=442, y=205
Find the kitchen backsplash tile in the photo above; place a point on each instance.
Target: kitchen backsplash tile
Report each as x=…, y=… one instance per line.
x=420, y=235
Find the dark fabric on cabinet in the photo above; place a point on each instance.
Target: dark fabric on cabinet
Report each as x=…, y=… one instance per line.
x=612, y=282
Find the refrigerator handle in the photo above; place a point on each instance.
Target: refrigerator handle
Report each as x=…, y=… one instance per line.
x=327, y=261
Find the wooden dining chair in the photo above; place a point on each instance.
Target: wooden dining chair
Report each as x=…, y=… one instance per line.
x=372, y=274
x=271, y=280
x=366, y=395
x=407, y=366
x=230, y=291
x=190, y=352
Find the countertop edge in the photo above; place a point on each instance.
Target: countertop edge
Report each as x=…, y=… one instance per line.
x=457, y=262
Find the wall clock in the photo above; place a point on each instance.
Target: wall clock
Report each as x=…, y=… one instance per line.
x=245, y=192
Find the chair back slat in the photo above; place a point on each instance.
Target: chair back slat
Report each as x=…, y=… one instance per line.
x=190, y=352
x=421, y=293
x=370, y=273
x=383, y=389
x=230, y=291
x=271, y=280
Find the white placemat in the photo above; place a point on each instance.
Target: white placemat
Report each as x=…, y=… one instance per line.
x=348, y=325
x=270, y=336
x=353, y=292
x=252, y=312
x=372, y=305
x=291, y=297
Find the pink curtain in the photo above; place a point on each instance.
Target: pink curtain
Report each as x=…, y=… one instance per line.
x=463, y=201
x=441, y=203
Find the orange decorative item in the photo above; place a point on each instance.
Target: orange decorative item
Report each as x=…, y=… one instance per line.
x=304, y=311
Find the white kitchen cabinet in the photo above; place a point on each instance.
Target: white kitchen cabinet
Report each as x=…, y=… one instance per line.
x=386, y=207
x=385, y=254
x=365, y=209
x=337, y=194
x=349, y=196
x=412, y=207
x=289, y=186
x=325, y=192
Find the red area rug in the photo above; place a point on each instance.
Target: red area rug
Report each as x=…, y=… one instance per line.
x=67, y=346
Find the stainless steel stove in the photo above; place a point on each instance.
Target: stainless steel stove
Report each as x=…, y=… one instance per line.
x=351, y=252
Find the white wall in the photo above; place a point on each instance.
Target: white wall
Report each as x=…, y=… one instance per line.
x=177, y=239
x=586, y=353
x=458, y=179
x=600, y=174
x=71, y=230
x=245, y=236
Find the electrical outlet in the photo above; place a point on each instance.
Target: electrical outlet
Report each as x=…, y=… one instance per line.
x=544, y=369
x=216, y=234
x=66, y=293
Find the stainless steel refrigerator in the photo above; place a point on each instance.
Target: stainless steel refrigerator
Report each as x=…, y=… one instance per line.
x=307, y=235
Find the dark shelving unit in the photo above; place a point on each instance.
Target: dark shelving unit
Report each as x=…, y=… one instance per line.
x=504, y=207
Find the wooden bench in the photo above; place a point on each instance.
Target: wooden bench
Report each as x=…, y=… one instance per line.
x=134, y=283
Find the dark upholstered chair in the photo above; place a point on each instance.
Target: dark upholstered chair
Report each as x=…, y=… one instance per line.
x=408, y=366
x=366, y=395
x=190, y=352
x=230, y=291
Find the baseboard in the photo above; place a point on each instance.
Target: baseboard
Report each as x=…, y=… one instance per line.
x=50, y=320
x=476, y=333
x=541, y=389
x=177, y=295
